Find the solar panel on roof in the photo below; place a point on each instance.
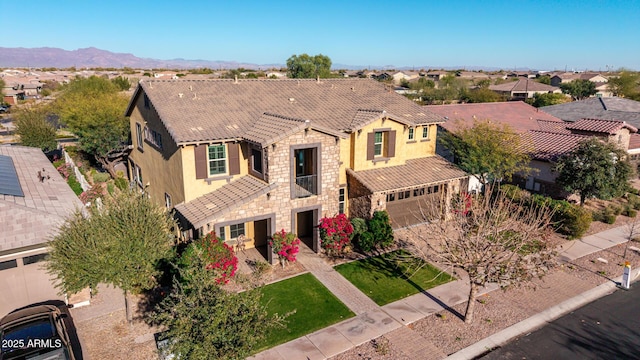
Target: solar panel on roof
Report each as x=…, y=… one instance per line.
x=9, y=183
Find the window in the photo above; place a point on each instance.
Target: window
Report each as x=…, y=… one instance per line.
x=410, y=133
x=404, y=195
x=167, y=200
x=377, y=143
x=153, y=137
x=418, y=192
x=8, y=264
x=256, y=160
x=236, y=230
x=341, y=200
x=425, y=132
x=33, y=259
x=137, y=176
x=391, y=197
x=217, y=159
x=221, y=233
x=139, y=135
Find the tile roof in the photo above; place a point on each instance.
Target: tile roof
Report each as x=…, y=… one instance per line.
x=413, y=174
x=559, y=127
x=201, y=210
x=549, y=146
x=607, y=108
x=270, y=129
x=208, y=110
x=35, y=217
x=634, y=141
x=523, y=85
x=600, y=126
x=517, y=114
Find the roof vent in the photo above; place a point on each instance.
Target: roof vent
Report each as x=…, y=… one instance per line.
x=235, y=77
x=190, y=88
x=195, y=96
x=180, y=95
x=353, y=88
x=318, y=79
x=292, y=99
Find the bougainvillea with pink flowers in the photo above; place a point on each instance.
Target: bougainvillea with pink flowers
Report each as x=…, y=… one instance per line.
x=335, y=234
x=286, y=245
x=215, y=255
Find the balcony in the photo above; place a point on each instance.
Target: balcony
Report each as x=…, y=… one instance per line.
x=305, y=186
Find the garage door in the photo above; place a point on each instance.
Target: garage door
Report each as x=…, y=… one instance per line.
x=24, y=281
x=411, y=207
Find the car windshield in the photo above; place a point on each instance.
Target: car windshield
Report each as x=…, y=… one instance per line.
x=18, y=338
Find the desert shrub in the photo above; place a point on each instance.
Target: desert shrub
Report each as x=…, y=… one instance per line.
x=514, y=193
x=359, y=226
x=121, y=183
x=616, y=210
x=631, y=213
x=366, y=242
x=380, y=227
x=610, y=219
x=89, y=196
x=110, y=188
x=568, y=219
x=101, y=177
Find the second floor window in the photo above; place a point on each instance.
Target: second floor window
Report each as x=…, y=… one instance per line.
x=139, y=135
x=378, y=143
x=256, y=160
x=217, y=159
x=425, y=132
x=410, y=133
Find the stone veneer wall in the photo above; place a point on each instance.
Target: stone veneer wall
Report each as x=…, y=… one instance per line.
x=278, y=170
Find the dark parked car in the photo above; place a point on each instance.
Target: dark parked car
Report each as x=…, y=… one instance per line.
x=35, y=333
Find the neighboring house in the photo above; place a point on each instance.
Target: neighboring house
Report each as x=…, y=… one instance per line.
x=562, y=78
x=550, y=137
x=524, y=88
x=472, y=75
x=34, y=202
x=253, y=157
x=437, y=74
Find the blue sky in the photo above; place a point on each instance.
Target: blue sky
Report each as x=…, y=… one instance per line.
x=543, y=35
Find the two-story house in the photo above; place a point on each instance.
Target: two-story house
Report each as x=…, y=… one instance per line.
x=251, y=157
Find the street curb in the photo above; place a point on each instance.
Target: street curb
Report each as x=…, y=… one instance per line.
x=538, y=320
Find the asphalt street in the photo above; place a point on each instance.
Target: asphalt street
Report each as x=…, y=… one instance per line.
x=608, y=328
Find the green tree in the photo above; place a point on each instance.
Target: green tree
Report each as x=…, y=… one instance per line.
x=595, y=168
x=205, y=321
x=479, y=95
x=307, y=67
x=120, y=243
x=625, y=85
x=579, y=88
x=122, y=83
x=544, y=79
x=490, y=151
x=93, y=109
x=34, y=129
x=540, y=100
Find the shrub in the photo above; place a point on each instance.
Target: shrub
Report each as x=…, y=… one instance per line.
x=574, y=221
x=610, y=219
x=359, y=226
x=335, y=234
x=514, y=193
x=110, y=188
x=121, y=183
x=74, y=184
x=380, y=227
x=213, y=254
x=616, y=210
x=632, y=213
x=286, y=245
x=101, y=177
x=366, y=242
x=89, y=196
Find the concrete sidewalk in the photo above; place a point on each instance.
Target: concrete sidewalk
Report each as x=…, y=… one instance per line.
x=390, y=320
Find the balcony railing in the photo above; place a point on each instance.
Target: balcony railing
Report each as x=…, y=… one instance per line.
x=306, y=186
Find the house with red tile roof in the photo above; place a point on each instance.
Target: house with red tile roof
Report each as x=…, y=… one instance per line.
x=251, y=157
x=550, y=137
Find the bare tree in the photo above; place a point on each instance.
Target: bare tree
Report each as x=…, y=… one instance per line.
x=490, y=237
x=632, y=230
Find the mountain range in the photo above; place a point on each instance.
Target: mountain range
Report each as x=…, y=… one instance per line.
x=97, y=58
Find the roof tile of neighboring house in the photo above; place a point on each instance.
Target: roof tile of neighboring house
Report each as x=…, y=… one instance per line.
x=600, y=126
x=517, y=114
x=35, y=217
x=549, y=146
x=607, y=108
x=414, y=173
x=214, y=204
x=209, y=110
x=553, y=126
x=523, y=85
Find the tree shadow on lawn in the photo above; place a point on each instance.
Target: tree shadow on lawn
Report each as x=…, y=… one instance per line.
x=389, y=264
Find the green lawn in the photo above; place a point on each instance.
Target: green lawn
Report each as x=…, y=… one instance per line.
x=316, y=307
x=385, y=278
